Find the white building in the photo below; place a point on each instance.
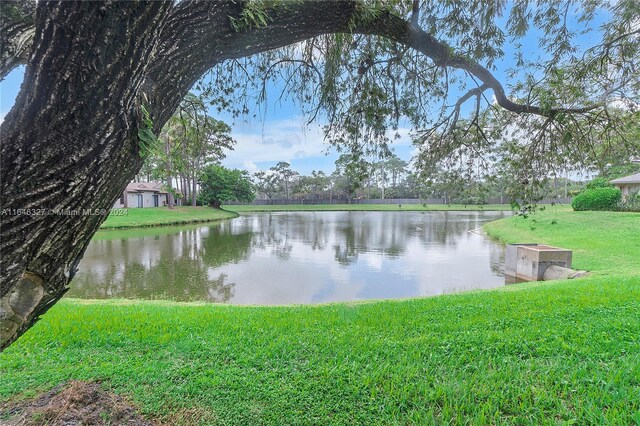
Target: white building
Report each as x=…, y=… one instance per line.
x=142, y=194
x=628, y=184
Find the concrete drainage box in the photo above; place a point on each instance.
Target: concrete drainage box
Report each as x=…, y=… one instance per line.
x=529, y=261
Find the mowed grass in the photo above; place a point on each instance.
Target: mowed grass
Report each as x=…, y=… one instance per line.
x=543, y=354
x=368, y=207
x=158, y=216
x=146, y=231
x=565, y=352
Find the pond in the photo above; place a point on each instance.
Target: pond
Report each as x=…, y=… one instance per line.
x=296, y=257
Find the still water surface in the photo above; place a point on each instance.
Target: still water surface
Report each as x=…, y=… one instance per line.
x=296, y=257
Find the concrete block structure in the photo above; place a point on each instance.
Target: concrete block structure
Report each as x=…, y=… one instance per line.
x=529, y=261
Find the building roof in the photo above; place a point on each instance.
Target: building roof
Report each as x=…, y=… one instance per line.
x=146, y=187
x=634, y=178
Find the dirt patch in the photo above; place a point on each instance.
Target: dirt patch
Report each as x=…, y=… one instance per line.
x=76, y=403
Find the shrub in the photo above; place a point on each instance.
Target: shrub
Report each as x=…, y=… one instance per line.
x=599, y=183
x=630, y=204
x=597, y=199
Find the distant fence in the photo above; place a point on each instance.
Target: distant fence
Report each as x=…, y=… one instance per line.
x=282, y=201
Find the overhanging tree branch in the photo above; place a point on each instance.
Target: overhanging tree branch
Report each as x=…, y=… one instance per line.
x=199, y=35
x=399, y=30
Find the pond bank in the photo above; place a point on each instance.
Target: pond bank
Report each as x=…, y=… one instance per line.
x=606, y=243
x=163, y=216
x=368, y=207
x=566, y=351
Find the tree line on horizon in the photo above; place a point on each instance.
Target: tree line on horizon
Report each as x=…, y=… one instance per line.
x=192, y=144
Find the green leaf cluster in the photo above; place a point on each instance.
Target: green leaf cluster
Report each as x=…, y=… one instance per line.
x=366, y=13
x=147, y=140
x=630, y=204
x=254, y=15
x=219, y=184
x=599, y=182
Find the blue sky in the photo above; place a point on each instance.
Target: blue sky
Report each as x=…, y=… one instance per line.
x=281, y=133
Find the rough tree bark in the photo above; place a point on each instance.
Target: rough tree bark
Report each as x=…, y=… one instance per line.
x=16, y=34
x=70, y=145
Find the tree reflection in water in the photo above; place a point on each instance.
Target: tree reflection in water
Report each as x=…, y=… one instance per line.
x=175, y=264
x=295, y=257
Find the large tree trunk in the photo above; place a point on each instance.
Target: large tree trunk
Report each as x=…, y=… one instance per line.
x=69, y=146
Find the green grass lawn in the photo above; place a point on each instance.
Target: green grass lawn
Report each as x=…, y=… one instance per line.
x=367, y=207
x=565, y=352
x=156, y=216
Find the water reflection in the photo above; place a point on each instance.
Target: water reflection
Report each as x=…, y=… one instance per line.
x=179, y=265
x=509, y=279
x=304, y=257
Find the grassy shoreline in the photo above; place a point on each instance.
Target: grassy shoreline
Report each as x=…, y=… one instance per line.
x=163, y=216
x=565, y=352
x=607, y=243
x=368, y=207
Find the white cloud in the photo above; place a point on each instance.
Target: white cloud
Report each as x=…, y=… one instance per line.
x=405, y=136
x=250, y=166
x=623, y=104
x=291, y=140
x=280, y=140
